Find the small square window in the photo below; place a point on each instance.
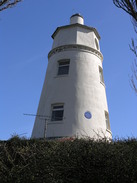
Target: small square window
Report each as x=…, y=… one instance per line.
x=63, y=67
x=107, y=120
x=57, y=112
x=101, y=74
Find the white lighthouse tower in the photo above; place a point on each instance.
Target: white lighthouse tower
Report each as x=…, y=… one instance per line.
x=73, y=99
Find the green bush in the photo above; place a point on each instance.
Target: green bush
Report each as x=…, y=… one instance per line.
x=74, y=161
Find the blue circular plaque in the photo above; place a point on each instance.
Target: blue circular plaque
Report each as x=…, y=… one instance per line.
x=88, y=115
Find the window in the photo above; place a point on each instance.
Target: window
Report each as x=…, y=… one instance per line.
x=101, y=74
x=63, y=67
x=57, y=112
x=107, y=120
x=96, y=42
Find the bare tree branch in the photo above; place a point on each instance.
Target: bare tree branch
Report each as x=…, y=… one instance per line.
x=5, y=4
x=130, y=6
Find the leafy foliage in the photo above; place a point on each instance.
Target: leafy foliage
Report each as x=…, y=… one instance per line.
x=74, y=161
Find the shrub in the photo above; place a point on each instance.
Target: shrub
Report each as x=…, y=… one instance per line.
x=64, y=161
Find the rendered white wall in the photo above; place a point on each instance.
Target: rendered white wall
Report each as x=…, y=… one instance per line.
x=75, y=35
x=80, y=90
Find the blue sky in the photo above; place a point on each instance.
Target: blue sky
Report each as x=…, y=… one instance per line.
x=25, y=40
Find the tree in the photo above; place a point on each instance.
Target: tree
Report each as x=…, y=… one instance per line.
x=130, y=7
x=4, y=4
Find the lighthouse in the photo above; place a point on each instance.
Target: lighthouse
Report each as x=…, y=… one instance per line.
x=73, y=101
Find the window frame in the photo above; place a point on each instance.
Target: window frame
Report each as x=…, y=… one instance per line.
x=101, y=76
x=63, y=63
x=54, y=108
x=97, y=44
x=107, y=120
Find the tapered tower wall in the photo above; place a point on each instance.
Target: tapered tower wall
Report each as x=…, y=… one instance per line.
x=79, y=91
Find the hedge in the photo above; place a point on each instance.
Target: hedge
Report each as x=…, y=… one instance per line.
x=74, y=161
